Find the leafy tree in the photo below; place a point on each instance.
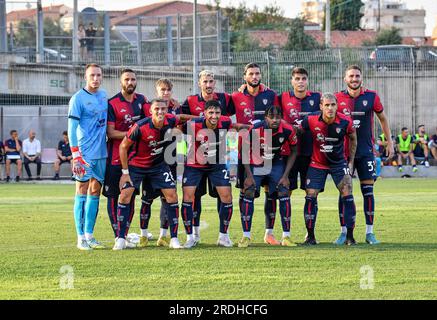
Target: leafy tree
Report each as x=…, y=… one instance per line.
x=298, y=39
x=388, y=36
x=345, y=14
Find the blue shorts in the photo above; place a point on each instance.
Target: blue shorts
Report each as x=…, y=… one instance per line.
x=365, y=167
x=217, y=174
x=300, y=167
x=111, y=188
x=270, y=179
x=96, y=170
x=316, y=178
x=158, y=177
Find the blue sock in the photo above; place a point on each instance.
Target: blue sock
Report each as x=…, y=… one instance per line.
x=91, y=211
x=349, y=211
x=247, y=214
x=225, y=214
x=112, y=213
x=79, y=213
x=145, y=212
x=369, y=203
x=269, y=211
x=163, y=215
x=173, y=218
x=123, y=212
x=197, y=210
x=285, y=211
x=187, y=216
x=310, y=213
x=341, y=212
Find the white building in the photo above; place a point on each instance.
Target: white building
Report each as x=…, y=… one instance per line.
x=383, y=14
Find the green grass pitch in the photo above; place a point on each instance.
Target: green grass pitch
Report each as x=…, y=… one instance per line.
x=37, y=239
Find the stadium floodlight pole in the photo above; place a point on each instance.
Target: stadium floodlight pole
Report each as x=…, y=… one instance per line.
x=328, y=24
x=75, y=41
x=39, y=34
x=195, y=51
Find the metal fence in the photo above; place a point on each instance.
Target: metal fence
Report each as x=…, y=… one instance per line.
x=407, y=86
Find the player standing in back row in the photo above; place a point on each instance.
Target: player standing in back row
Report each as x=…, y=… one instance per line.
x=360, y=104
x=87, y=116
x=249, y=107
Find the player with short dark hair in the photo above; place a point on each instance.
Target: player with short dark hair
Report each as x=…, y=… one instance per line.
x=405, y=147
x=87, y=117
x=361, y=104
x=148, y=139
x=249, y=106
x=264, y=143
x=421, y=141
x=207, y=159
x=124, y=109
x=296, y=104
x=195, y=105
x=329, y=130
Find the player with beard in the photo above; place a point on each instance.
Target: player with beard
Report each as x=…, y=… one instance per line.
x=195, y=105
x=142, y=155
x=329, y=131
x=124, y=109
x=249, y=106
x=361, y=104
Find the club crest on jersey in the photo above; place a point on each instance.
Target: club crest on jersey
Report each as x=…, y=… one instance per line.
x=185, y=180
x=265, y=101
x=311, y=103
x=365, y=103
x=281, y=139
x=338, y=130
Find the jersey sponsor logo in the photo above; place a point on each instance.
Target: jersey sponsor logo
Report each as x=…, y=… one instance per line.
x=317, y=129
x=293, y=113
x=243, y=103
x=265, y=101
x=326, y=148
x=198, y=108
x=290, y=104
x=356, y=124
x=346, y=112
x=320, y=137
x=247, y=112
x=342, y=103
x=331, y=139
x=358, y=113
x=304, y=113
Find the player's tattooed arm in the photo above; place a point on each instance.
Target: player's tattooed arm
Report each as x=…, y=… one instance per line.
x=240, y=126
x=352, y=148
x=182, y=118
x=387, y=132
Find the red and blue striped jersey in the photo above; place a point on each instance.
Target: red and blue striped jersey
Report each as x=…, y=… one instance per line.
x=122, y=114
x=328, y=139
x=361, y=110
x=150, y=142
x=206, y=147
x=195, y=104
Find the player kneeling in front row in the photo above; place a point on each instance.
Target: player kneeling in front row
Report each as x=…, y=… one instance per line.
x=328, y=131
x=207, y=158
x=264, y=142
x=150, y=136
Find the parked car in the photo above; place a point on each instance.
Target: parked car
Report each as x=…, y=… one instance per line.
x=50, y=55
x=392, y=57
